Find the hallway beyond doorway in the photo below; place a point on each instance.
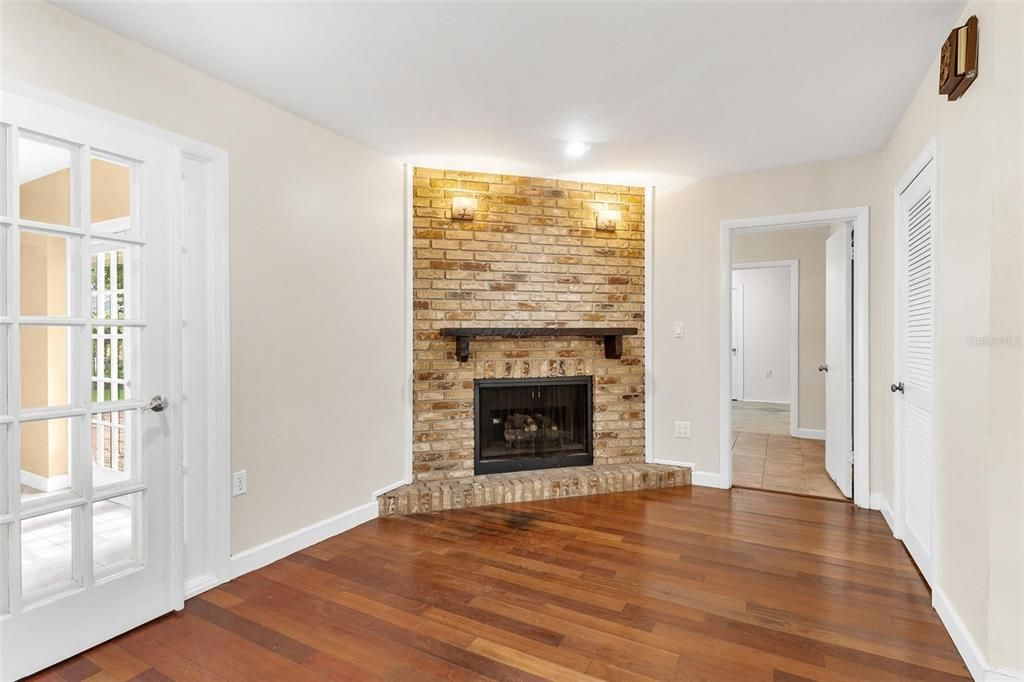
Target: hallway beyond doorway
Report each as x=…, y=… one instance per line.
x=757, y=417
x=766, y=457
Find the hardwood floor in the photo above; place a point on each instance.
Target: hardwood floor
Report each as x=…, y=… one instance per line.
x=681, y=583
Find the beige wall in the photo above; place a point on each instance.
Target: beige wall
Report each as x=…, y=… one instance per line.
x=981, y=295
x=980, y=289
x=44, y=350
x=316, y=260
x=806, y=245
x=686, y=273
x=47, y=199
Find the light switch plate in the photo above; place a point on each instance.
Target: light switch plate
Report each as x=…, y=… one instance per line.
x=682, y=429
x=239, y=484
x=678, y=330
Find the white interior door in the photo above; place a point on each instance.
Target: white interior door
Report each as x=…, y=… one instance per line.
x=915, y=363
x=89, y=525
x=737, y=342
x=838, y=378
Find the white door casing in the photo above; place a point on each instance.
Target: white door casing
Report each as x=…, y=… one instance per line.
x=860, y=217
x=94, y=601
x=737, y=342
x=838, y=377
x=914, y=386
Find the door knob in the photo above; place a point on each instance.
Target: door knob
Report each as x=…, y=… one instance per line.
x=822, y=368
x=157, y=403
x=896, y=387
x=734, y=349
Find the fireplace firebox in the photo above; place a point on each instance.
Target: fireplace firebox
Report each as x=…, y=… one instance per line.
x=526, y=424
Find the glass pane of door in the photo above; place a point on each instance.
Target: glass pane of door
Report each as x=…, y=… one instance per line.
x=47, y=554
x=45, y=180
x=112, y=200
x=115, y=537
x=48, y=449
x=47, y=366
x=47, y=267
x=112, y=441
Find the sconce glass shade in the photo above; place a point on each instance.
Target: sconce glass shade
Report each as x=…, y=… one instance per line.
x=463, y=208
x=608, y=220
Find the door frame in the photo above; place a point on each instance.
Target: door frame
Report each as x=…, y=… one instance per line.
x=739, y=348
x=859, y=216
x=928, y=155
x=793, y=266
x=208, y=353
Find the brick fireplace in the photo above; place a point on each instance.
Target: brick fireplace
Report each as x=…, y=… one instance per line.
x=532, y=257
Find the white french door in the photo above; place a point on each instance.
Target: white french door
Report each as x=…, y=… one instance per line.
x=88, y=516
x=737, y=342
x=914, y=389
x=838, y=349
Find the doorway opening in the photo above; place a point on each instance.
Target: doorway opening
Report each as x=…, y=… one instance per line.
x=794, y=354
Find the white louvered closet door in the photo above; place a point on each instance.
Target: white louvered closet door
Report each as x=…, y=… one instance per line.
x=915, y=390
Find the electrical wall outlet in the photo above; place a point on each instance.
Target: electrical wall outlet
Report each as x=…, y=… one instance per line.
x=239, y=484
x=682, y=429
x=678, y=330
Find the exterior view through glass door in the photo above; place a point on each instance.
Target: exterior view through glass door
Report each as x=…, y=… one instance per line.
x=87, y=521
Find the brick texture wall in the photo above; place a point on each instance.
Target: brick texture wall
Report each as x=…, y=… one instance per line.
x=531, y=257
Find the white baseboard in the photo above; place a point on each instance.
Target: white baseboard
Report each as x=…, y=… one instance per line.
x=43, y=483
x=269, y=552
x=707, y=479
x=969, y=650
x=701, y=478
x=780, y=403
x=389, y=487
x=881, y=504
x=201, y=584
x=814, y=434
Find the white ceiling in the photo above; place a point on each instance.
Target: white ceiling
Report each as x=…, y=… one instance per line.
x=662, y=91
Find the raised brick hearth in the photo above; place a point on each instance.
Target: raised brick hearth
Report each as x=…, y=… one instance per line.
x=548, y=484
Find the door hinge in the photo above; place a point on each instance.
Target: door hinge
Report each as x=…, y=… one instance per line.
x=849, y=457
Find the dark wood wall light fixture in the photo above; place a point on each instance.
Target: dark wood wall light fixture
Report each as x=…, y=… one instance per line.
x=958, y=61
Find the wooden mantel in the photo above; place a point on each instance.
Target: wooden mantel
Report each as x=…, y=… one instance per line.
x=612, y=336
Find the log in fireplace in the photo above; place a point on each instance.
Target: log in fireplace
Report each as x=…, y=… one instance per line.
x=526, y=424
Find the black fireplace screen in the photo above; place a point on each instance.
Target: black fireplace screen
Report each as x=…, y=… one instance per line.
x=533, y=423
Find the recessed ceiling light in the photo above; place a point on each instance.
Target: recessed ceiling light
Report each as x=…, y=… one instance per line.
x=576, y=149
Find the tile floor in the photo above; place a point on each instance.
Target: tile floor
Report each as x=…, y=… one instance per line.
x=46, y=546
x=770, y=418
x=765, y=456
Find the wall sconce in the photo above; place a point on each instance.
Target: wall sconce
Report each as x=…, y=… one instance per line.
x=608, y=220
x=463, y=208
